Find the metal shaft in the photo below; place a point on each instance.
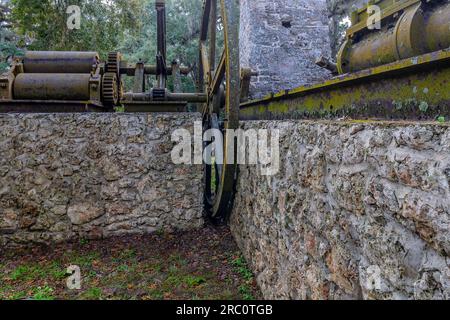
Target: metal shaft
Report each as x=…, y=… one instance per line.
x=175, y=97
x=152, y=70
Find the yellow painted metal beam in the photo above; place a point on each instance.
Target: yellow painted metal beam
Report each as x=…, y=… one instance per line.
x=411, y=88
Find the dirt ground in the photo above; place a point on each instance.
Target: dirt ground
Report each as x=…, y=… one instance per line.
x=205, y=265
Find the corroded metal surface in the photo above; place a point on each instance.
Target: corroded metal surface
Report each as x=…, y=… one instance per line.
x=52, y=86
x=64, y=77
x=60, y=62
x=408, y=28
x=415, y=88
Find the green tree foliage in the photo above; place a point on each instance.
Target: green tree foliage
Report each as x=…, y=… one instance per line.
x=43, y=24
x=8, y=45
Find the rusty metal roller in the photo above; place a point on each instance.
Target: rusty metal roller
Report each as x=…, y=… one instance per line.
x=65, y=87
x=420, y=29
x=60, y=62
x=437, y=28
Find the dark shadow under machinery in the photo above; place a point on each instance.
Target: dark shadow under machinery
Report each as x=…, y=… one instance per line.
x=68, y=82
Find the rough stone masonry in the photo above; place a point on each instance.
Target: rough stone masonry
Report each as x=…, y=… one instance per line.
x=69, y=176
x=358, y=210
x=281, y=39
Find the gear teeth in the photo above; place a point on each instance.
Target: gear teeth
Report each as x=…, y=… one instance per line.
x=113, y=64
x=113, y=68
x=109, y=89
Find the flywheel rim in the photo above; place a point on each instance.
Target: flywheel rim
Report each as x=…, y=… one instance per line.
x=219, y=204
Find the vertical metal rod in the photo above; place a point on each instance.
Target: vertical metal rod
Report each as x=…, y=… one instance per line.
x=204, y=29
x=139, y=78
x=212, y=37
x=161, y=25
x=162, y=53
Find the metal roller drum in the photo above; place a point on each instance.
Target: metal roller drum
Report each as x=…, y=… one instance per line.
x=437, y=28
x=65, y=87
x=419, y=30
x=60, y=62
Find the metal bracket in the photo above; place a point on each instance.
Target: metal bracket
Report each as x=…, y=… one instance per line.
x=6, y=86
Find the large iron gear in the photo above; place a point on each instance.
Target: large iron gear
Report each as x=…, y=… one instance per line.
x=110, y=93
x=113, y=67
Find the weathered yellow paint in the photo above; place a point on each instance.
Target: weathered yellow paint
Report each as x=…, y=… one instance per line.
x=410, y=87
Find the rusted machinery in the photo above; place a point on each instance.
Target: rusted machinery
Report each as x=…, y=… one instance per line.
x=409, y=28
x=401, y=71
x=79, y=81
x=54, y=81
x=158, y=98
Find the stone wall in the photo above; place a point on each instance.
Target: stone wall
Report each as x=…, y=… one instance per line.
x=281, y=39
x=351, y=200
x=69, y=176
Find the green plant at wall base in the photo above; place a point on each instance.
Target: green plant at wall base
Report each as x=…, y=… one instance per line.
x=246, y=293
x=85, y=259
x=441, y=119
x=43, y=293
x=242, y=268
x=84, y=242
x=19, y=273
x=192, y=281
x=57, y=271
x=119, y=109
x=93, y=294
x=27, y=272
x=20, y=295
